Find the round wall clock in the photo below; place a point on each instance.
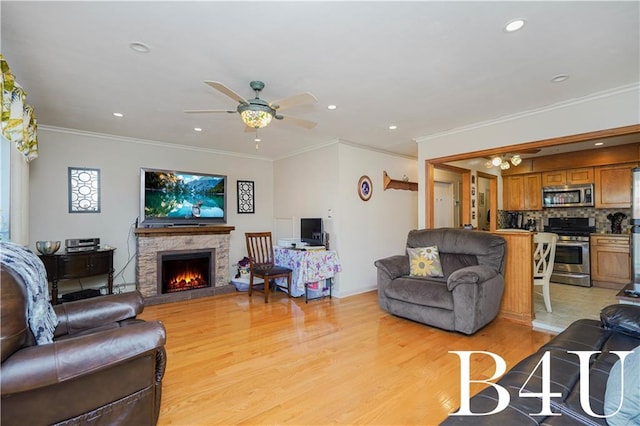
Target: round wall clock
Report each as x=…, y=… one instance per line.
x=365, y=188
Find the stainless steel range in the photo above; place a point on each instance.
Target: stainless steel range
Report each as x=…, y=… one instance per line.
x=571, y=265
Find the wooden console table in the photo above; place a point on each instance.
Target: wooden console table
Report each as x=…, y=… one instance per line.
x=66, y=266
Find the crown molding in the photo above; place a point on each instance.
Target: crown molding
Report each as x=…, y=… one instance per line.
x=528, y=113
x=149, y=142
x=339, y=141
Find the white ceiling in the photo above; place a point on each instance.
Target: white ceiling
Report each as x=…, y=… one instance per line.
x=426, y=67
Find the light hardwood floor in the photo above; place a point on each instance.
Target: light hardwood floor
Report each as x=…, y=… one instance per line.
x=569, y=303
x=232, y=360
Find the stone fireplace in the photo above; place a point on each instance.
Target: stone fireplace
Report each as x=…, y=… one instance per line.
x=201, y=251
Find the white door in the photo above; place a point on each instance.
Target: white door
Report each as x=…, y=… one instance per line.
x=443, y=205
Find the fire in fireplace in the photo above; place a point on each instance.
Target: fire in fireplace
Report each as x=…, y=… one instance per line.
x=185, y=270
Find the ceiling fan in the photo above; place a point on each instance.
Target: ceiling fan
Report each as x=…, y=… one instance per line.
x=257, y=113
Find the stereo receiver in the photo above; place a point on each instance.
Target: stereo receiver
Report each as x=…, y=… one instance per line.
x=82, y=242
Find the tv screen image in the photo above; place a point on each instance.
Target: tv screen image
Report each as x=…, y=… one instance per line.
x=173, y=197
x=311, y=231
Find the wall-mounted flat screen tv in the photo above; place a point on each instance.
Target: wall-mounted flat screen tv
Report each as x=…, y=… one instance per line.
x=173, y=198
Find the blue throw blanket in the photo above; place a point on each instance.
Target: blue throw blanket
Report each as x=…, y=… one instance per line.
x=25, y=264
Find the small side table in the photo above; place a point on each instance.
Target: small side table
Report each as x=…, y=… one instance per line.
x=625, y=298
x=66, y=266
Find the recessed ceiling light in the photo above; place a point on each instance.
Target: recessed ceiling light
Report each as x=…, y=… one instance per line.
x=514, y=25
x=197, y=129
x=393, y=127
x=599, y=143
x=331, y=107
x=560, y=78
x=139, y=47
x=257, y=140
x=118, y=114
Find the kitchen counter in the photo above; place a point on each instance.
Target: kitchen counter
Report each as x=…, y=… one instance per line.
x=514, y=230
x=517, y=300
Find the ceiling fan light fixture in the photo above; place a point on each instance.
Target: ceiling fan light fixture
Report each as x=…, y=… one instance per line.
x=496, y=161
x=516, y=160
x=488, y=164
x=255, y=116
x=505, y=165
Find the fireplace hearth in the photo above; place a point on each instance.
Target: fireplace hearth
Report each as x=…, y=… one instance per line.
x=185, y=270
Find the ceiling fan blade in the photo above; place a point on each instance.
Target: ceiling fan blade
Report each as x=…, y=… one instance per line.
x=307, y=124
x=224, y=89
x=201, y=111
x=295, y=100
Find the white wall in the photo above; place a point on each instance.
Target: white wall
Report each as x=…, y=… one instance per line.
x=119, y=161
x=305, y=186
x=376, y=228
x=616, y=108
x=310, y=183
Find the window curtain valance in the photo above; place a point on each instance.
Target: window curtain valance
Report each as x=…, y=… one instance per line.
x=18, y=121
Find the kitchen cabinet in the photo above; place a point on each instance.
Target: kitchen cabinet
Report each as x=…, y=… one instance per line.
x=612, y=186
x=568, y=177
x=610, y=260
x=522, y=192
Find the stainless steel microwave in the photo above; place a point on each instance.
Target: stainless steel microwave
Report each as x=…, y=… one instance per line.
x=568, y=196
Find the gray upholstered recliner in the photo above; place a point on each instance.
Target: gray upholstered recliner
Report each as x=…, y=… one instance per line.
x=465, y=299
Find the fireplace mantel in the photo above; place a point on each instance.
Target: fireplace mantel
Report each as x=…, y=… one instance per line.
x=150, y=241
x=184, y=230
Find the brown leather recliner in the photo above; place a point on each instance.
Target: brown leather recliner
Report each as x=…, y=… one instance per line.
x=103, y=367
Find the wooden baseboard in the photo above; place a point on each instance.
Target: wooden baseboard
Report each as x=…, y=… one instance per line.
x=608, y=284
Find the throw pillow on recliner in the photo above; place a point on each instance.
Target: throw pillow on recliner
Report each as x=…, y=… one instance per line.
x=424, y=262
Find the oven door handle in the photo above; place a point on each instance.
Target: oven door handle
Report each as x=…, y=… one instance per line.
x=584, y=244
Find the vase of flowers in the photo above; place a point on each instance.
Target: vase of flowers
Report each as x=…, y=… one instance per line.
x=243, y=268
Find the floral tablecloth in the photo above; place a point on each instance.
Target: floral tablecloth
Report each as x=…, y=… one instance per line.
x=308, y=267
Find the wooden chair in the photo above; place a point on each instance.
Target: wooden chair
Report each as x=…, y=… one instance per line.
x=543, y=260
x=261, y=262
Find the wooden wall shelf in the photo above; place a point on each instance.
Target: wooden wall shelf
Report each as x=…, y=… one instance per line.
x=389, y=183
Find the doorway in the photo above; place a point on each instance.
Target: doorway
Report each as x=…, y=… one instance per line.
x=452, y=183
x=446, y=205
x=487, y=201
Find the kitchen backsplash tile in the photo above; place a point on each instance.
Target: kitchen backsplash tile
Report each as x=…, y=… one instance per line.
x=603, y=225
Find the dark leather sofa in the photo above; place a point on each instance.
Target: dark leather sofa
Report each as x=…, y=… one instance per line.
x=103, y=367
x=617, y=330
